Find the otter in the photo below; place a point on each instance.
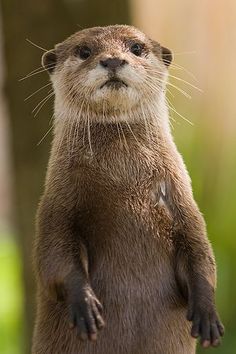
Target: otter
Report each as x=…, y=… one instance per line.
x=122, y=258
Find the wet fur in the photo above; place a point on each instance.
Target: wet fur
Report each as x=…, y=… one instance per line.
x=118, y=216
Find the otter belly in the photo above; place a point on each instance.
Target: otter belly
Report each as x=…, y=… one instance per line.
x=132, y=274
x=142, y=331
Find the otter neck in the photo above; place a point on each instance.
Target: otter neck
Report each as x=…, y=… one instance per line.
x=146, y=125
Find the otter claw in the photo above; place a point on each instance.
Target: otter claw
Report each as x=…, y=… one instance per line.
x=207, y=325
x=85, y=315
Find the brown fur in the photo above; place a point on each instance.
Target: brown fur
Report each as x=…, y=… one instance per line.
x=118, y=217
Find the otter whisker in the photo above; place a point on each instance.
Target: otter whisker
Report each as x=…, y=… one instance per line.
x=46, y=100
x=176, y=87
x=185, y=82
x=61, y=137
x=131, y=130
x=182, y=80
x=51, y=91
x=74, y=120
x=170, y=115
x=84, y=128
x=33, y=71
x=77, y=124
x=147, y=126
x=39, y=106
x=118, y=131
x=175, y=66
x=124, y=138
x=87, y=121
x=180, y=115
x=46, y=134
x=155, y=72
x=171, y=107
x=37, y=71
x=89, y=133
x=34, y=93
x=36, y=45
x=149, y=79
x=158, y=91
x=71, y=119
x=103, y=110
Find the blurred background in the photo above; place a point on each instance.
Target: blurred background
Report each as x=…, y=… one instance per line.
x=202, y=36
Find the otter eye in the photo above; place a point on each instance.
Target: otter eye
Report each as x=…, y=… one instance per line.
x=83, y=52
x=136, y=49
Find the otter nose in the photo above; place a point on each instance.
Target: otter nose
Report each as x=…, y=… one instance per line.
x=113, y=63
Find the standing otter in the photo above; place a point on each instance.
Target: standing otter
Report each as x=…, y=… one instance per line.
x=120, y=239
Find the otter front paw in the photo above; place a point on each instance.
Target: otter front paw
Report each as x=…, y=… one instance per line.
x=206, y=325
x=85, y=315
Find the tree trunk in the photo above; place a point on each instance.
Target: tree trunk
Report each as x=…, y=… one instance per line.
x=45, y=23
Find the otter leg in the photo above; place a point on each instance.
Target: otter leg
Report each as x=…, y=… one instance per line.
x=194, y=273
x=195, y=264
x=61, y=263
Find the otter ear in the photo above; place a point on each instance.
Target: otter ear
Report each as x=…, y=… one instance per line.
x=162, y=53
x=166, y=56
x=49, y=60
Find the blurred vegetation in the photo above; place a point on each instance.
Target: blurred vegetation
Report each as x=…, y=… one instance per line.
x=11, y=295
x=208, y=147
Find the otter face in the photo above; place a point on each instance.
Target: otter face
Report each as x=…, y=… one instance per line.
x=107, y=69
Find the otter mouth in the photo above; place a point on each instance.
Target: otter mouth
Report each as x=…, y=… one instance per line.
x=114, y=83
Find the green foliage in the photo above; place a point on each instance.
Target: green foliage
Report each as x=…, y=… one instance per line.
x=11, y=299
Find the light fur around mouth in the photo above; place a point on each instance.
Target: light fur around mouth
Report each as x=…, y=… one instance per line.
x=114, y=83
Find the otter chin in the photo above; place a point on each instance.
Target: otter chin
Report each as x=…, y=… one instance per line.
x=122, y=259
x=114, y=83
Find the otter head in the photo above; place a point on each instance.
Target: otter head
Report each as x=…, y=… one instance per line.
x=107, y=71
